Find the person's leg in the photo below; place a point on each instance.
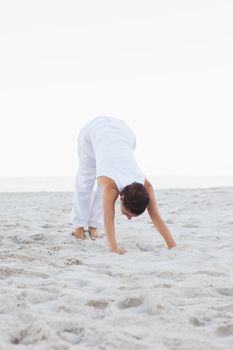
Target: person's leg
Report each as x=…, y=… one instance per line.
x=84, y=183
x=95, y=219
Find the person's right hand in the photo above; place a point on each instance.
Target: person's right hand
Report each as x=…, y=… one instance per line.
x=117, y=250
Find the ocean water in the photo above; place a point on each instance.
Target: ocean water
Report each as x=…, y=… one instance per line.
x=66, y=184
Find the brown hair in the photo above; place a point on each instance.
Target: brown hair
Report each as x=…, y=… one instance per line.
x=135, y=198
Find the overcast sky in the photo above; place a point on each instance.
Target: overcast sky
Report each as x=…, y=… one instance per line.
x=165, y=67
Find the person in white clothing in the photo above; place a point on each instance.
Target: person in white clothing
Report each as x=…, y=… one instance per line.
x=105, y=151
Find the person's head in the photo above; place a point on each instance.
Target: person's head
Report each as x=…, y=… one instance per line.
x=134, y=200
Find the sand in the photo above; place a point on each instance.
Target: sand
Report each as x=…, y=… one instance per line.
x=60, y=293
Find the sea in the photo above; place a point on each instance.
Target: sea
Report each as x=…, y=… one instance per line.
x=66, y=183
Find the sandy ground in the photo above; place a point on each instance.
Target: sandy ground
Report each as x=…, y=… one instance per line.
x=60, y=293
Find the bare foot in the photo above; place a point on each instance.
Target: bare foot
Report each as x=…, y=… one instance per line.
x=79, y=233
x=93, y=232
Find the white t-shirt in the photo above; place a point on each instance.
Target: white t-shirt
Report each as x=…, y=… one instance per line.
x=113, y=144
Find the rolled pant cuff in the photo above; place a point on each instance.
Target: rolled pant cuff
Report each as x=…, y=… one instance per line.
x=74, y=225
x=95, y=224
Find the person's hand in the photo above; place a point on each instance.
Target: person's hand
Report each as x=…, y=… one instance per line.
x=117, y=250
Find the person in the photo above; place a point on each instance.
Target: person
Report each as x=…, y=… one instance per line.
x=105, y=151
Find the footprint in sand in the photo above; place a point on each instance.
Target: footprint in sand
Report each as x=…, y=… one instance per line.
x=47, y=226
x=72, y=335
x=129, y=302
x=210, y=273
x=199, y=322
x=227, y=308
x=225, y=331
x=98, y=304
x=19, y=239
x=190, y=293
x=228, y=292
x=72, y=261
x=142, y=247
x=167, y=275
x=38, y=237
x=16, y=225
x=191, y=226
x=6, y=271
x=29, y=336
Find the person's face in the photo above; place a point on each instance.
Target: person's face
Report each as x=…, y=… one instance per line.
x=127, y=213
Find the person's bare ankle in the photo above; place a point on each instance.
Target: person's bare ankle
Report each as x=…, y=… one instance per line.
x=79, y=233
x=93, y=232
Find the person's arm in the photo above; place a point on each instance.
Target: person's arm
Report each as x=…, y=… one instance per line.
x=109, y=198
x=156, y=217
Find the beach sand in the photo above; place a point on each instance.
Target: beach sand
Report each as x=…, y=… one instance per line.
x=59, y=293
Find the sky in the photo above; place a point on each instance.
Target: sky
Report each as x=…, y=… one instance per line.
x=165, y=67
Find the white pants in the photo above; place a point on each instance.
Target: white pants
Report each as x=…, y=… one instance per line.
x=87, y=201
